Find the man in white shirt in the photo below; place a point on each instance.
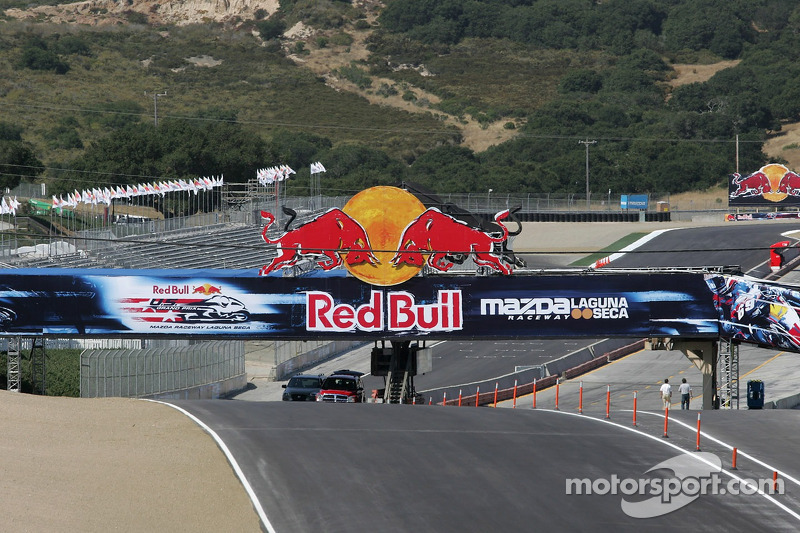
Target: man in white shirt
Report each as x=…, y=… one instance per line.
x=666, y=393
x=686, y=393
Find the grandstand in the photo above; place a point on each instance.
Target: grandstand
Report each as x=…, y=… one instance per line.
x=228, y=238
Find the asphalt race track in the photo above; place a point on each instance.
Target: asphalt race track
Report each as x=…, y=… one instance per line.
x=744, y=246
x=374, y=467
x=433, y=468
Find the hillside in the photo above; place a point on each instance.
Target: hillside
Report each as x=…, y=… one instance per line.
x=110, y=12
x=393, y=90
x=321, y=61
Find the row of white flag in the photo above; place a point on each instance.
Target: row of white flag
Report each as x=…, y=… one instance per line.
x=8, y=206
x=268, y=176
x=106, y=195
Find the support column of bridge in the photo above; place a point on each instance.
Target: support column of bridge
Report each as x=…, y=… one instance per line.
x=14, y=359
x=703, y=354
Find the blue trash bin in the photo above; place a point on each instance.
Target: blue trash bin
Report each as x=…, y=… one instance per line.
x=755, y=394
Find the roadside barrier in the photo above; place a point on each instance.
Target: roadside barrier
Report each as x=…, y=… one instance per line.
x=556, y=369
x=558, y=383
x=514, y=406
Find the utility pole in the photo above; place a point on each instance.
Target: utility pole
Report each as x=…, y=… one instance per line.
x=155, y=106
x=587, y=142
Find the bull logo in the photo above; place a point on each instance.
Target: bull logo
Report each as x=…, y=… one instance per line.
x=790, y=184
x=322, y=239
x=446, y=238
x=756, y=184
x=207, y=288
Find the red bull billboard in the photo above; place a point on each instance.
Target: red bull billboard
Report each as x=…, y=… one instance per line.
x=771, y=185
x=385, y=235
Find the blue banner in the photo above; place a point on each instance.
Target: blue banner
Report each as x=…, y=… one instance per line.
x=333, y=305
x=633, y=201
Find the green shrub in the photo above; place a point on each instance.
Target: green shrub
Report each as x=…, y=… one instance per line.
x=355, y=74
x=36, y=58
x=270, y=28
x=134, y=17
x=62, y=372
x=386, y=90
x=341, y=39
x=300, y=48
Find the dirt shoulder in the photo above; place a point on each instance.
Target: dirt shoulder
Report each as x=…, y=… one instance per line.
x=118, y=464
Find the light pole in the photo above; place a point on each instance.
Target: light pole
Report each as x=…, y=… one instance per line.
x=488, y=200
x=587, y=142
x=155, y=106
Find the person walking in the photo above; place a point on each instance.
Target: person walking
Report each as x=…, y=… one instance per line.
x=686, y=393
x=666, y=393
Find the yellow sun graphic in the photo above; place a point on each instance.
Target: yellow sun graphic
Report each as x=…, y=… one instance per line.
x=384, y=212
x=774, y=173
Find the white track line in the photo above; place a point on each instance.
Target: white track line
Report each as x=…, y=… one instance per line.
x=634, y=245
x=236, y=468
x=681, y=450
x=729, y=447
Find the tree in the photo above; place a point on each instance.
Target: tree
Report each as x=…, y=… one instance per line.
x=17, y=162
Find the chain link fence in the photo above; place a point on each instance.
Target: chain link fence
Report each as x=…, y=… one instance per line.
x=202, y=370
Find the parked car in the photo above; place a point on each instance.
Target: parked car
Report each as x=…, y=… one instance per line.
x=344, y=386
x=302, y=388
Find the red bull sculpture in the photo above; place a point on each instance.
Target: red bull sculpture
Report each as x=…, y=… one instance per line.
x=322, y=239
x=443, y=237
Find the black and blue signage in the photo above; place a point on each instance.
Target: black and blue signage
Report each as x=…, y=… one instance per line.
x=332, y=305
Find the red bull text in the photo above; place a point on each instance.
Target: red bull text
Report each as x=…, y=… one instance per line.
x=400, y=312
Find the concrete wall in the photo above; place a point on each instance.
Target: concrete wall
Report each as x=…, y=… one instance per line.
x=208, y=391
x=297, y=363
